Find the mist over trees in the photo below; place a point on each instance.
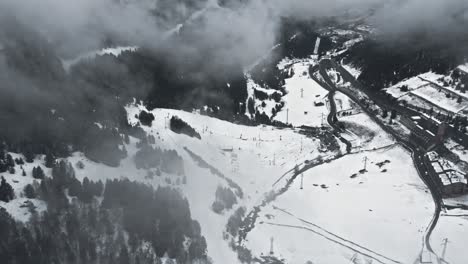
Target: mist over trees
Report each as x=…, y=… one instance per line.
x=78, y=228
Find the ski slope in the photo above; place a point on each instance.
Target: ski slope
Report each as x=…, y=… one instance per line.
x=337, y=215
x=305, y=101
x=341, y=214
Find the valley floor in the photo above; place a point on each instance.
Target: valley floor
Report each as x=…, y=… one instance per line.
x=366, y=206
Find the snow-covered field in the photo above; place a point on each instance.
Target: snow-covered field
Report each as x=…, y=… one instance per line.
x=343, y=103
x=305, y=99
x=17, y=207
x=438, y=97
x=464, y=67
x=364, y=134
x=412, y=83
x=355, y=72
x=450, y=236
x=340, y=212
x=426, y=91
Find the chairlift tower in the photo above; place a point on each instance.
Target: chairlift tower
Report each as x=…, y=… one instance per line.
x=445, y=242
x=322, y=120
x=271, y=246
x=234, y=162
x=302, y=181
x=365, y=163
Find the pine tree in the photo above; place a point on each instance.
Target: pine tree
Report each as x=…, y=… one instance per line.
x=87, y=191
x=19, y=161
x=29, y=191
x=6, y=191
x=9, y=161
x=38, y=173
x=29, y=155
x=384, y=113
x=49, y=160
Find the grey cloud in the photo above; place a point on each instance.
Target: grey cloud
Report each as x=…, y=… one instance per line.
x=243, y=32
x=432, y=16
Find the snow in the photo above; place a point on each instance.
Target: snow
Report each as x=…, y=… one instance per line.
x=115, y=51
x=343, y=32
x=317, y=45
x=457, y=149
x=364, y=134
x=348, y=44
x=412, y=83
x=19, y=210
x=384, y=212
x=438, y=97
x=463, y=67
x=173, y=31
x=452, y=226
x=341, y=214
x=355, y=72
x=262, y=154
x=270, y=104
x=287, y=63
x=426, y=91
x=18, y=182
x=301, y=110
x=343, y=103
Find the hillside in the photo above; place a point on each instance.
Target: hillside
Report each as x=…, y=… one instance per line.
x=207, y=132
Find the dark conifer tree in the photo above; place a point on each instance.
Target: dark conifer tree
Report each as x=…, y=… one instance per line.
x=49, y=160
x=28, y=154
x=19, y=161
x=6, y=191
x=9, y=161
x=38, y=173
x=29, y=191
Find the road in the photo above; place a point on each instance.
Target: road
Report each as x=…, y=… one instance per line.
x=332, y=118
x=417, y=151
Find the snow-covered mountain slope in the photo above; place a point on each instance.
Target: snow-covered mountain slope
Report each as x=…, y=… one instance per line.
x=251, y=157
x=305, y=101
x=258, y=163
x=115, y=51
x=255, y=159
x=391, y=186
x=380, y=214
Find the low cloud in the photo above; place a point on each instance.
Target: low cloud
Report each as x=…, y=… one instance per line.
x=235, y=29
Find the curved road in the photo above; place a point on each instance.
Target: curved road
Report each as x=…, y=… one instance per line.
x=332, y=118
x=417, y=151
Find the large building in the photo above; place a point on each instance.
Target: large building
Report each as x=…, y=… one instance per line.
x=451, y=180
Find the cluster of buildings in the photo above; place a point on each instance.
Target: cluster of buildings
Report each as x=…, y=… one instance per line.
x=430, y=134
x=452, y=181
